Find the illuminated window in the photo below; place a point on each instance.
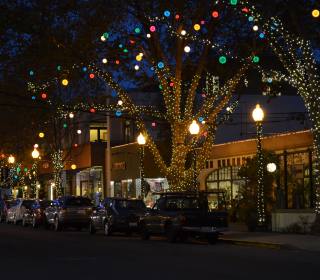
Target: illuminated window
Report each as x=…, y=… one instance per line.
x=103, y=134
x=98, y=133
x=94, y=135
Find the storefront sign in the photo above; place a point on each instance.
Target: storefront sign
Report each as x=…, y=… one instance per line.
x=119, y=165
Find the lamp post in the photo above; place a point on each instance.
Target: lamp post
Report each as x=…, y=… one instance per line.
x=258, y=116
x=194, y=130
x=38, y=186
x=141, y=141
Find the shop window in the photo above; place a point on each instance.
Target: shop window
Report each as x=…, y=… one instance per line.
x=228, y=162
x=233, y=162
x=223, y=163
x=207, y=164
x=98, y=133
x=238, y=161
x=211, y=163
x=219, y=163
x=103, y=134
x=94, y=135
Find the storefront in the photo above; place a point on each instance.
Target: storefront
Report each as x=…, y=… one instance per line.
x=294, y=183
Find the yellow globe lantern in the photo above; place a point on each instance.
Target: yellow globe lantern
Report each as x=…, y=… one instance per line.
x=73, y=166
x=315, y=13
x=41, y=134
x=65, y=82
x=138, y=57
x=196, y=27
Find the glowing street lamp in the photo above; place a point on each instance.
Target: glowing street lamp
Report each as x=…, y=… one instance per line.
x=141, y=141
x=258, y=116
x=11, y=159
x=194, y=130
x=271, y=167
x=35, y=153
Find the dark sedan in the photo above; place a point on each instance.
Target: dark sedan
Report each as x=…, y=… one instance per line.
x=73, y=211
x=117, y=215
x=35, y=215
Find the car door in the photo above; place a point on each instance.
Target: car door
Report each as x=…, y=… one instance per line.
x=17, y=210
x=153, y=217
x=50, y=211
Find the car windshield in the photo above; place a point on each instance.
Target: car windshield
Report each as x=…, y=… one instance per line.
x=181, y=203
x=27, y=203
x=130, y=204
x=44, y=203
x=10, y=203
x=78, y=201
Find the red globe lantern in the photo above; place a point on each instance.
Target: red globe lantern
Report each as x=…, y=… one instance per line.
x=177, y=16
x=92, y=110
x=215, y=14
x=43, y=95
x=91, y=76
x=117, y=62
x=152, y=28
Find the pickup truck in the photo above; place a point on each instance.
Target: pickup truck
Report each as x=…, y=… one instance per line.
x=182, y=215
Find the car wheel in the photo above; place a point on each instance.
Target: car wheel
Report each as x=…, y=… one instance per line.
x=107, y=229
x=144, y=232
x=57, y=224
x=92, y=229
x=212, y=238
x=171, y=234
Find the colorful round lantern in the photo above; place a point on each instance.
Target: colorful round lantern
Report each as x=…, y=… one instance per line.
x=196, y=27
x=65, y=82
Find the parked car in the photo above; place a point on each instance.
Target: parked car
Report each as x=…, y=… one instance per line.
x=35, y=215
x=117, y=215
x=16, y=211
x=180, y=215
x=73, y=211
x=4, y=205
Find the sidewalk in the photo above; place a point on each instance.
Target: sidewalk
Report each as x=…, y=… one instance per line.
x=239, y=236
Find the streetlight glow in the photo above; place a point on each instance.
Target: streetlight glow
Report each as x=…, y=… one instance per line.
x=258, y=114
x=141, y=139
x=35, y=153
x=194, y=128
x=11, y=159
x=271, y=167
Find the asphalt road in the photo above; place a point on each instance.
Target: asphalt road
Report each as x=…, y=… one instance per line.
x=26, y=253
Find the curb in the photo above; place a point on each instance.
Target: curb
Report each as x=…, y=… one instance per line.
x=276, y=246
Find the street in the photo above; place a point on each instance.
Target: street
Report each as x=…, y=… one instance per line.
x=27, y=253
